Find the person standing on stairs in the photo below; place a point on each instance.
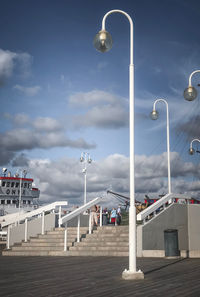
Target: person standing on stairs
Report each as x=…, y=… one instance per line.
x=94, y=218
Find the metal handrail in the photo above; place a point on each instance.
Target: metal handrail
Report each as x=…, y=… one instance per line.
x=38, y=211
x=155, y=206
x=79, y=210
x=76, y=213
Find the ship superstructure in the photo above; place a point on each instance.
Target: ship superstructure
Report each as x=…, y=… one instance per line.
x=17, y=193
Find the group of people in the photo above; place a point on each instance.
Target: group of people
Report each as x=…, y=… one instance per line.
x=109, y=217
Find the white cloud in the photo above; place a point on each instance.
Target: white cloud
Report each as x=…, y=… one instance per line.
x=63, y=179
x=28, y=91
x=10, y=61
x=93, y=98
x=46, y=124
x=104, y=110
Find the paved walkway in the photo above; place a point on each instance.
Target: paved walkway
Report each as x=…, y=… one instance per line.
x=97, y=276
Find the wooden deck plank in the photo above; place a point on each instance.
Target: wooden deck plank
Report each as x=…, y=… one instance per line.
x=97, y=276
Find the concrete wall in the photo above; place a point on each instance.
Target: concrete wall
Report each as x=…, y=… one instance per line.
x=17, y=233
x=84, y=221
x=194, y=227
x=174, y=217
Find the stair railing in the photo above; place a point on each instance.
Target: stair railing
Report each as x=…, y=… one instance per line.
x=159, y=206
x=39, y=212
x=76, y=213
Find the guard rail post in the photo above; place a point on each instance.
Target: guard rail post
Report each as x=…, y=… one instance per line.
x=65, y=238
x=59, y=217
x=100, y=223
x=78, y=229
x=26, y=230
x=43, y=223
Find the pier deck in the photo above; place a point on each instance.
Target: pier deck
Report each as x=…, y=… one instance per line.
x=97, y=276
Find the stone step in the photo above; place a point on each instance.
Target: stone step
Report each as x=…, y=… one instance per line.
x=103, y=244
x=104, y=239
x=36, y=248
x=54, y=239
x=25, y=253
x=99, y=248
x=74, y=231
x=107, y=235
x=89, y=253
x=46, y=236
x=113, y=229
x=39, y=244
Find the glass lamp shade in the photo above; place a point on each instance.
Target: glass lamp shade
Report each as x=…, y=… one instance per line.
x=190, y=93
x=191, y=151
x=81, y=159
x=103, y=41
x=154, y=115
x=89, y=160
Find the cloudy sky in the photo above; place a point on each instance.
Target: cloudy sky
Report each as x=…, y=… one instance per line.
x=60, y=97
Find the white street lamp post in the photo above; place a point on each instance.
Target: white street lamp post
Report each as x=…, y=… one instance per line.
x=154, y=116
x=191, y=150
x=20, y=187
x=103, y=43
x=85, y=157
x=190, y=93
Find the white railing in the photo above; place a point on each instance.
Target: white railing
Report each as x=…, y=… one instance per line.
x=76, y=213
x=40, y=212
x=159, y=206
x=36, y=212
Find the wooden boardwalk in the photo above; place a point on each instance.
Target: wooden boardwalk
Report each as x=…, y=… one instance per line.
x=97, y=276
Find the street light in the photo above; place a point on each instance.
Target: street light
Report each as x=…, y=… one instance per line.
x=154, y=116
x=23, y=172
x=191, y=150
x=103, y=43
x=85, y=158
x=190, y=93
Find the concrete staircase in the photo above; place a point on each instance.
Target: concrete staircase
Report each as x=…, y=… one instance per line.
x=43, y=245
x=105, y=241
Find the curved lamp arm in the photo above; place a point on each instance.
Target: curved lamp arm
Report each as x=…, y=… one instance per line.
x=196, y=139
x=168, y=145
x=190, y=77
x=131, y=28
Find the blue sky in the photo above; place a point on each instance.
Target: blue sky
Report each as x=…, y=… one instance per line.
x=59, y=96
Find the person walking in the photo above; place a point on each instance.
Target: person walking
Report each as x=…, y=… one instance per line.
x=119, y=215
x=94, y=218
x=113, y=216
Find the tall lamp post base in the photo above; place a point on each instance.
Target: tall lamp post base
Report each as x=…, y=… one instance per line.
x=130, y=275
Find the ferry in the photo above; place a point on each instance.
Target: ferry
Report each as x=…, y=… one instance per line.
x=17, y=194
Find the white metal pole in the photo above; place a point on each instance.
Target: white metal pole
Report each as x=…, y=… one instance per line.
x=132, y=273
x=90, y=223
x=65, y=238
x=20, y=192
x=59, y=217
x=190, y=77
x=78, y=229
x=43, y=223
x=100, y=216
x=168, y=141
x=196, y=139
x=85, y=186
x=168, y=151
x=26, y=230
x=8, y=236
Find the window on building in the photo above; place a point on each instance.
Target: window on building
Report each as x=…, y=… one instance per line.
x=12, y=184
x=8, y=184
x=3, y=184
